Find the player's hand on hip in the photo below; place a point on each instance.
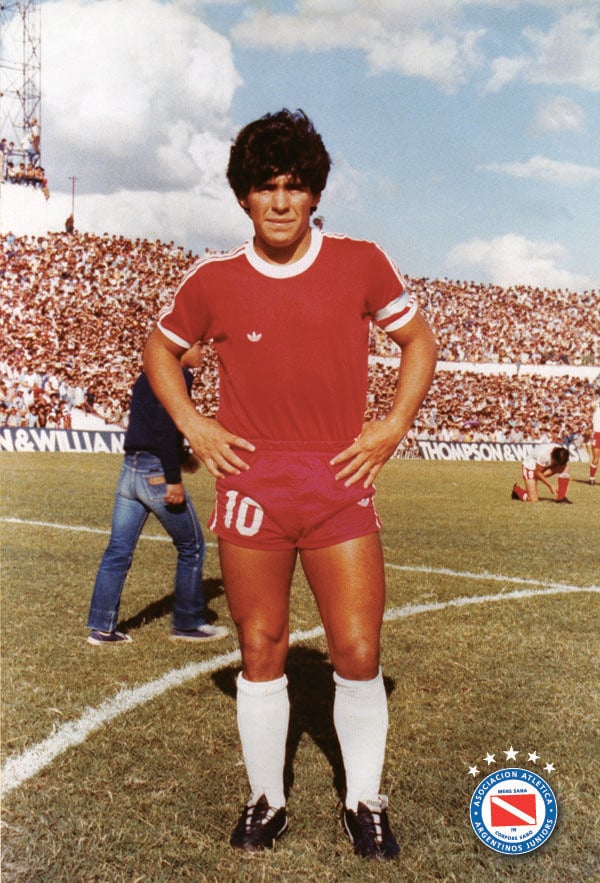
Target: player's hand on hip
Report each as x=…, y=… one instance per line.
x=217, y=448
x=366, y=455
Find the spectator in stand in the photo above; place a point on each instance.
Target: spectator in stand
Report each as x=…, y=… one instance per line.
x=9, y=151
x=30, y=176
x=89, y=403
x=3, y=155
x=595, y=458
x=14, y=419
x=35, y=136
x=35, y=176
x=516, y=435
x=29, y=149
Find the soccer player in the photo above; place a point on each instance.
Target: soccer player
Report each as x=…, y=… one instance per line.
x=547, y=461
x=595, y=442
x=289, y=315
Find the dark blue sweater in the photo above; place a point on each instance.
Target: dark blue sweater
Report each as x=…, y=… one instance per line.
x=151, y=429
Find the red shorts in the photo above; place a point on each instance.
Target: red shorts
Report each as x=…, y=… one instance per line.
x=596, y=440
x=289, y=499
x=528, y=474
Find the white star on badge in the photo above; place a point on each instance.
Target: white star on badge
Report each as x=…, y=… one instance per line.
x=533, y=757
x=473, y=771
x=490, y=758
x=511, y=754
x=549, y=767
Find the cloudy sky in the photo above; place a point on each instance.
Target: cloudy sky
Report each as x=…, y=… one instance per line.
x=465, y=134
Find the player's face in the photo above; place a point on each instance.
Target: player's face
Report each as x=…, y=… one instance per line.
x=280, y=210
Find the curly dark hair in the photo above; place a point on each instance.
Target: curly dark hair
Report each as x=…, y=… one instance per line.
x=560, y=455
x=278, y=144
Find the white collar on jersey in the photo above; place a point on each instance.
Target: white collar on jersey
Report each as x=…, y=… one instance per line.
x=286, y=271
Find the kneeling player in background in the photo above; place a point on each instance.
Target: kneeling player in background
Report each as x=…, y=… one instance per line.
x=547, y=461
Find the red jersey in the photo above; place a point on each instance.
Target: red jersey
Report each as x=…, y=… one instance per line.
x=292, y=339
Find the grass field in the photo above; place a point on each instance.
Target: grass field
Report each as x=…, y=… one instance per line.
x=123, y=764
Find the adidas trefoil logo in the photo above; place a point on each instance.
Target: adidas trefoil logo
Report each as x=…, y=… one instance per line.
x=254, y=336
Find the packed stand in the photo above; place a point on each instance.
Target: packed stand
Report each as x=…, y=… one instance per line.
x=76, y=310
x=517, y=325
x=469, y=407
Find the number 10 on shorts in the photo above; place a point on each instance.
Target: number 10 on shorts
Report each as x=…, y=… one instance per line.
x=245, y=515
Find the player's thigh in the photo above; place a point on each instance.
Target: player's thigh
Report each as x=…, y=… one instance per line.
x=257, y=583
x=348, y=583
x=532, y=490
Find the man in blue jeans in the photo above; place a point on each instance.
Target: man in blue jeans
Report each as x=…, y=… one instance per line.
x=150, y=481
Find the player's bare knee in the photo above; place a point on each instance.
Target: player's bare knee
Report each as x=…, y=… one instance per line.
x=359, y=662
x=263, y=653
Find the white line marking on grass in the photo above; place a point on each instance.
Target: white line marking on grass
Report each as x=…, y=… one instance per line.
x=442, y=571
x=485, y=575
x=78, y=527
x=17, y=770
x=413, y=609
x=20, y=768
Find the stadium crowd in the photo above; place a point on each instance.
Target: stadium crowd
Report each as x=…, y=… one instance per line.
x=76, y=310
x=465, y=407
x=517, y=325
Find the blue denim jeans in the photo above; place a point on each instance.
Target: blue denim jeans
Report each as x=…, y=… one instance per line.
x=140, y=492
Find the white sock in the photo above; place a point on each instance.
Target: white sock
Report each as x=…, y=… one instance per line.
x=360, y=716
x=263, y=713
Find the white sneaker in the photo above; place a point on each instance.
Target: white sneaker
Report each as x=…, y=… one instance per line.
x=203, y=634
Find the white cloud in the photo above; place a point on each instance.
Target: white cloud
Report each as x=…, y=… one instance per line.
x=446, y=60
x=415, y=39
x=188, y=217
x=119, y=80
x=346, y=184
x=137, y=100
x=567, y=53
x=504, y=71
x=544, y=169
x=516, y=260
x=560, y=114
x=560, y=5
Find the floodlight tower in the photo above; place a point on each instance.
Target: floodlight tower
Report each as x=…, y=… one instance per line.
x=20, y=68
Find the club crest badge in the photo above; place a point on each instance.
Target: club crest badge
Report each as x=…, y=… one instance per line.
x=513, y=810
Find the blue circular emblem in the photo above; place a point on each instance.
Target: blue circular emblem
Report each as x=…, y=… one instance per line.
x=513, y=811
